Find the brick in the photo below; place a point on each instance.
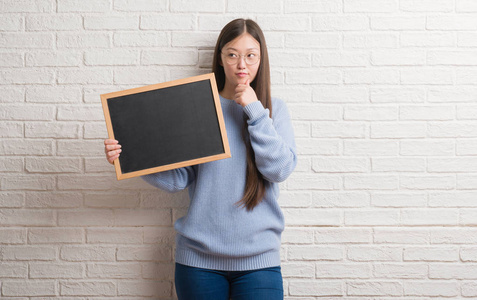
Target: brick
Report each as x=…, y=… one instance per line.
x=24, y=217
x=214, y=6
x=51, y=130
x=55, y=270
x=161, y=271
x=467, y=217
x=97, y=217
x=62, y=95
x=455, y=130
x=467, y=39
x=175, y=58
x=466, y=6
x=168, y=22
x=56, y=235
x=114, y=57
x=53, y=165
x=138, y=77
x=397, y=95
x=29, y=288
x=111, y=22
x=86, y=76
x=427, y=6
x=11, y=130
x=430, y=254
x=11, y=60
x=468, y=254
x=340, y=59
x=454, y=236
x=315, y=112
x=427, y=39
x=88, y=253
x=193, y=39
x=469, y=289
x=298, y=270
x=28, y=40
x=338, y=130
x=370, y=113
x=94, y=165
x=87, y=288
x=340, y=199
x=311, y=76
x=249, y=6
x=29, y=253
x=314, y=182
x=312, y=40
x=339, y=23
x=374, y=182
x=370, y=76
x=112, y=200
x=370, y=6
x=395, y=199
x=343, y=236
x=85, y=147
x=314, y=288
x=160, y=235
x=340, y=95
x=82, y=40
x=13, y=270
x=343, y=270
x=53, y=22
x=427, y=148
x=371, y=218
x=148, y=6
x=398, y=57
x=466, y=181
x=404, y=23
x=453, y=199
x=429, y=217
x=398, y=164
x=446, y=165
x=28, y=182
x=289, y=59
x=140, y=39
x=406, y=130
x=465, y=76
x=11, y=199
x=83, y=6
x=401, y=236
x=451, y=22
x=26, y=6
x=297, y=236
x=370, y=40
x=467, y=112
x=295, y=199
x=301, y=129
x=310, y=6
x=147, y=217
x=12, y=95
x=114, y=270
x=14, y=164
x=27, y=76
x=145, y=288
x=438, y=182
x=94, y=130
x=53, y=200
x=466, y=147
x=114, y=235
x=452, y=58
x=433, y=289
x=370, y=148
x=11, y=22
x=374, y=253
x=12, y=236
x=24, y=112
x=311, y=217
x=144, y=253
x=306, y=253
x=341, y=165
x=375, y=288
x=400, y=270
x=454, y=95
x=283, y=23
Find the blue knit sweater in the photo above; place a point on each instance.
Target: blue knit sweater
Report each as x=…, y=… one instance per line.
x=216, y=233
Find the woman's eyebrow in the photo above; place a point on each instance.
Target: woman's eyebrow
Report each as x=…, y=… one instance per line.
x=230, y=48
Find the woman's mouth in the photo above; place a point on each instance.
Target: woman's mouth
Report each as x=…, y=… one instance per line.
x=241, y=75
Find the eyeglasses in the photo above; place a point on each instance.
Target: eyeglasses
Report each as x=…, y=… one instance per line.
x=232, y=58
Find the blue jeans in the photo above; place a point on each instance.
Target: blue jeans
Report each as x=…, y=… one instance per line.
x=204, y=284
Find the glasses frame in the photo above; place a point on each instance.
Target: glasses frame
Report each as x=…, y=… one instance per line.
x=240, y=57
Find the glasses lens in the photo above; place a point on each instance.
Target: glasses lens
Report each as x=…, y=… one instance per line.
x=233, y=58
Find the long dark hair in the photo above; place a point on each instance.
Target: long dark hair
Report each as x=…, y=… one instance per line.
x=255, y=183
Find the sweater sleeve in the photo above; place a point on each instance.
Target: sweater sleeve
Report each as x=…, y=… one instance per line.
x=173, y=180
x=272, y=140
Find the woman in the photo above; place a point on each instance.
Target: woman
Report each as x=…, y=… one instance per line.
x=228, y=244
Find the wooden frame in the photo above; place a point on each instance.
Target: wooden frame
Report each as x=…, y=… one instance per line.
x=177, y=85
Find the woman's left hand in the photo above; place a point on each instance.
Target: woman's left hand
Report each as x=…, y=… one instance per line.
x=244, y=94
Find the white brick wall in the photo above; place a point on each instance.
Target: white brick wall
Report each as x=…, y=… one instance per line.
x=383, y=97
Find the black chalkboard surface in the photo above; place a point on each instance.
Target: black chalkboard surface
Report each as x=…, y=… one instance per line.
x=166, y=126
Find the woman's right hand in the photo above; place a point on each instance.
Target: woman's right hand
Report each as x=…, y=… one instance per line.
x=112, y=150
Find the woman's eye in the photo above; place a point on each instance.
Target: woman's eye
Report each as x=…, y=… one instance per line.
x=232, y=55
x=251, y=55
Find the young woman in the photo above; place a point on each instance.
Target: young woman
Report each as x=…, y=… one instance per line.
x=228, y=244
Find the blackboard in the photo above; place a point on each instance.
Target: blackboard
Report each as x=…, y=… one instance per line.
x=166, y=126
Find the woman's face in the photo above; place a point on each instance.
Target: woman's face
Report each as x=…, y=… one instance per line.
x=242, y=47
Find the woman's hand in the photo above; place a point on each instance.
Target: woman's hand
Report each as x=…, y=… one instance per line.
x=244, y=94
x=112, y=150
